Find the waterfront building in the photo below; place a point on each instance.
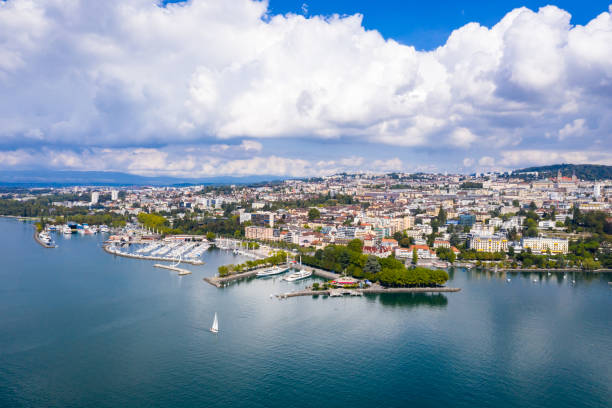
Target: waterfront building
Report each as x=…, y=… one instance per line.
x=540, y=245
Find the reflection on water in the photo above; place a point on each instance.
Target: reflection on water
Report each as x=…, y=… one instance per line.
x=412, y=300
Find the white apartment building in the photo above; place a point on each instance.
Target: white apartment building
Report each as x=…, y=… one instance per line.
x=95, y=197
x=547, y=224
x=539, y=245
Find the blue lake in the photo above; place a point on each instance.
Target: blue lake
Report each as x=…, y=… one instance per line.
x=79, y=327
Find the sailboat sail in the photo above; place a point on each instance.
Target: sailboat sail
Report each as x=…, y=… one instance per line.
x=215, y=325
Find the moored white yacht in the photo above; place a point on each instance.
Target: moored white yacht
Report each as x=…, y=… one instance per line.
x=45, y=238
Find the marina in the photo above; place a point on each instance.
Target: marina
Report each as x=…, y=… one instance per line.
x=114, y=250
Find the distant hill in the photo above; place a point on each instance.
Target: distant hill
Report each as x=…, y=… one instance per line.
x=34, y=178
x=582, y=171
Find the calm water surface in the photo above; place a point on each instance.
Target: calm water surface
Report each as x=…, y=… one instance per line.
x=79, y=327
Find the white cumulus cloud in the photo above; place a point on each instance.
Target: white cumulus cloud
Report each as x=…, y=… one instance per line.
x=132, y=74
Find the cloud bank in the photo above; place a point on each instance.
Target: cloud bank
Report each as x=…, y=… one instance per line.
x=147, y=83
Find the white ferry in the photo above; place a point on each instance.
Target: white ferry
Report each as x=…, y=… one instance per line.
x=301, y=274
x=275, y=270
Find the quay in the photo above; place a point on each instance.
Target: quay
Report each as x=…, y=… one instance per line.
x=150, y=258
x=180, y=271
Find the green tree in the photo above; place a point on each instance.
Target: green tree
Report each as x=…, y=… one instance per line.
x=355, y=245
x=415, y=256
x=313, y=214
x=372, y=266
x=210, y=236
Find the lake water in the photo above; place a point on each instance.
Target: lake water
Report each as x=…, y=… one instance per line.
x=79, y=327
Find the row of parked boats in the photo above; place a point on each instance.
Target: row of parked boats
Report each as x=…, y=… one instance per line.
x=188, y=251
x=74, y=228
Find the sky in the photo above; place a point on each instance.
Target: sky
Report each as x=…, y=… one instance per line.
x=290, y=88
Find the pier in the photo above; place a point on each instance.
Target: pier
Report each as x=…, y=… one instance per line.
x=359, y=292
x=180, y=271
x=150, y=258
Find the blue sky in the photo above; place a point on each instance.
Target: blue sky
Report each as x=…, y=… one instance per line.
x=211, y=87
x=427, y=25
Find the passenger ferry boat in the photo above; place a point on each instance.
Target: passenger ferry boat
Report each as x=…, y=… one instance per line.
x=275, y=270
x=301, y=274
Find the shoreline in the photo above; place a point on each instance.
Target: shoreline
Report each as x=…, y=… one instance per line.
x=600, y=270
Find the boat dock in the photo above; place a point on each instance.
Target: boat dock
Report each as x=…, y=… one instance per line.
x=107, y=249
x=360, y=292
x=180, y=271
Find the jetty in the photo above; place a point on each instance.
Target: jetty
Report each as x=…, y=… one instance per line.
x=220, y=281
x=180, y=271
x=337, y=292
x=108, y=250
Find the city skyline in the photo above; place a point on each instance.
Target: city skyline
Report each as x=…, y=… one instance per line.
x=242, y=88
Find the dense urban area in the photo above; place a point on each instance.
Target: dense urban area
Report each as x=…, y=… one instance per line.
x=391, y=228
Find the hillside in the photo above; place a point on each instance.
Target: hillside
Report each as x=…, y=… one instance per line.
x=583, y=171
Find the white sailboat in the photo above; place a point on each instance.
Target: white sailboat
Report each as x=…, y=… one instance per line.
x=215, y=325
